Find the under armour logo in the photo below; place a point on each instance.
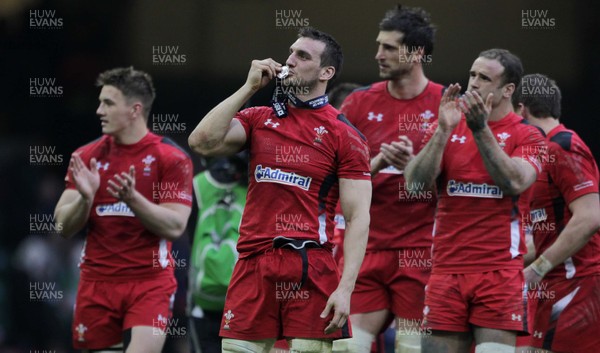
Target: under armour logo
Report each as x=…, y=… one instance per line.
x=516, y=317
x=104, y=166
x=378, y=117
x=461, y=139
x=537, y=334
x=269, y=122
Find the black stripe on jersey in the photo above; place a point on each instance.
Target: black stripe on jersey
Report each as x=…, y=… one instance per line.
x=563, y=139
x=328, y=183
x=524, y=121
x=168, y=141
x=363, y=88
x=558, y=205
x=342, y=118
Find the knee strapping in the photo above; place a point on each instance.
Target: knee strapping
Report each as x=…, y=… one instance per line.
x=493, y=347
x=408, y=343
x=230, y=345
x=360, y=342
x=303, y=345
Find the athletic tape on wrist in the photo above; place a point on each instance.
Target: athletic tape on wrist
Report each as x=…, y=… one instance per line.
x=541, y=266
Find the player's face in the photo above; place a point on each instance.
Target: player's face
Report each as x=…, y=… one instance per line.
x=485, y=77
x=114, y=111
x=388, y=54
x=304, y=63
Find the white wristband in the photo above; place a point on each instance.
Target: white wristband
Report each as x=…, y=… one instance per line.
x=541, y=266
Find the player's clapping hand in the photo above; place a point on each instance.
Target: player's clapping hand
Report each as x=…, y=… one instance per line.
x=476, y=110
x=449, y=113
x=339, y=300
x=87, y=181
x=531, y=278
x=262, y=72
x=398, y=153
x=122, y=186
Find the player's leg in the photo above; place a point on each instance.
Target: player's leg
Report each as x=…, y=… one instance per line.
x=408, y=335
x=446, y=342
x=146, y=339
x=408, y=297
x=232, y=345
x=365, y=327
x=370, y=303
x=304, y=345
x=494, y=341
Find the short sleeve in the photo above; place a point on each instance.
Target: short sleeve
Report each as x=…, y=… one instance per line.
x=353, y=156
x=574, y=172
x=176, y=179
x=531, y=147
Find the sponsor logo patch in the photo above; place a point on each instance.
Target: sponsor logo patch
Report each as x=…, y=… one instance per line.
x=458, y=188
x=115, y=209
x=279, y=176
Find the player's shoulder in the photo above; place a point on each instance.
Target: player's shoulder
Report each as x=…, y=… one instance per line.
x=346, y=126
x=254, y=112
x=167, y=147
x=94, y=145
x=436, y=88
x=374, y=88
x=523, y=124
x=569, y=141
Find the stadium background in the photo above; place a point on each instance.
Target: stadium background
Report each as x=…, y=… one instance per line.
x=217, y=39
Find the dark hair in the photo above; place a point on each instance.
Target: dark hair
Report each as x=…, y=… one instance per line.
x=340, y=92
x=132, y=83
x=332, y=54
x=540, y=95
x=513, y=69
x=415, y=25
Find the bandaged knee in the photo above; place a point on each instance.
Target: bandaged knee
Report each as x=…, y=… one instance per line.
x=230, y=345
x=360, y=342
x=407, y=343
x=493, y=347
x=304, y=345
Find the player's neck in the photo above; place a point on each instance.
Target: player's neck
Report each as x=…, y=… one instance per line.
x=314, y=93
x=499, y=112
x=409, y=86
x=547, y=123
x=131, y=135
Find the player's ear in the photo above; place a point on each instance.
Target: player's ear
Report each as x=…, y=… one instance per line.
x=508, y=90
x=327, y=73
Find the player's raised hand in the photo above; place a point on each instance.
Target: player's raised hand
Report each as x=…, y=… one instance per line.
x=398, y=153
x=476, y=110
x=449, y=113
x=262, y=72
x=339, y=301
x=87, y=181
x=122, y=186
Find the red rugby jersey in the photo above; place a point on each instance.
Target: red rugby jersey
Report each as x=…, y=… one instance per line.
x=295, y=164
x=399, y=218
x=118, y=246
x=570, y=172
x=477, y=228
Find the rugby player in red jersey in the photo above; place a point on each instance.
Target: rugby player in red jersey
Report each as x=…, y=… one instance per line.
x=303, y=153
x=564, y=212
x=132, y=189
x=394, y=115
x=481, y=161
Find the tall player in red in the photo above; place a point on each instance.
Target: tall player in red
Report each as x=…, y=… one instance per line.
x=481, y=161
x=302, y=154
x=394, y=115
x=135, y=198
x=565, y=217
